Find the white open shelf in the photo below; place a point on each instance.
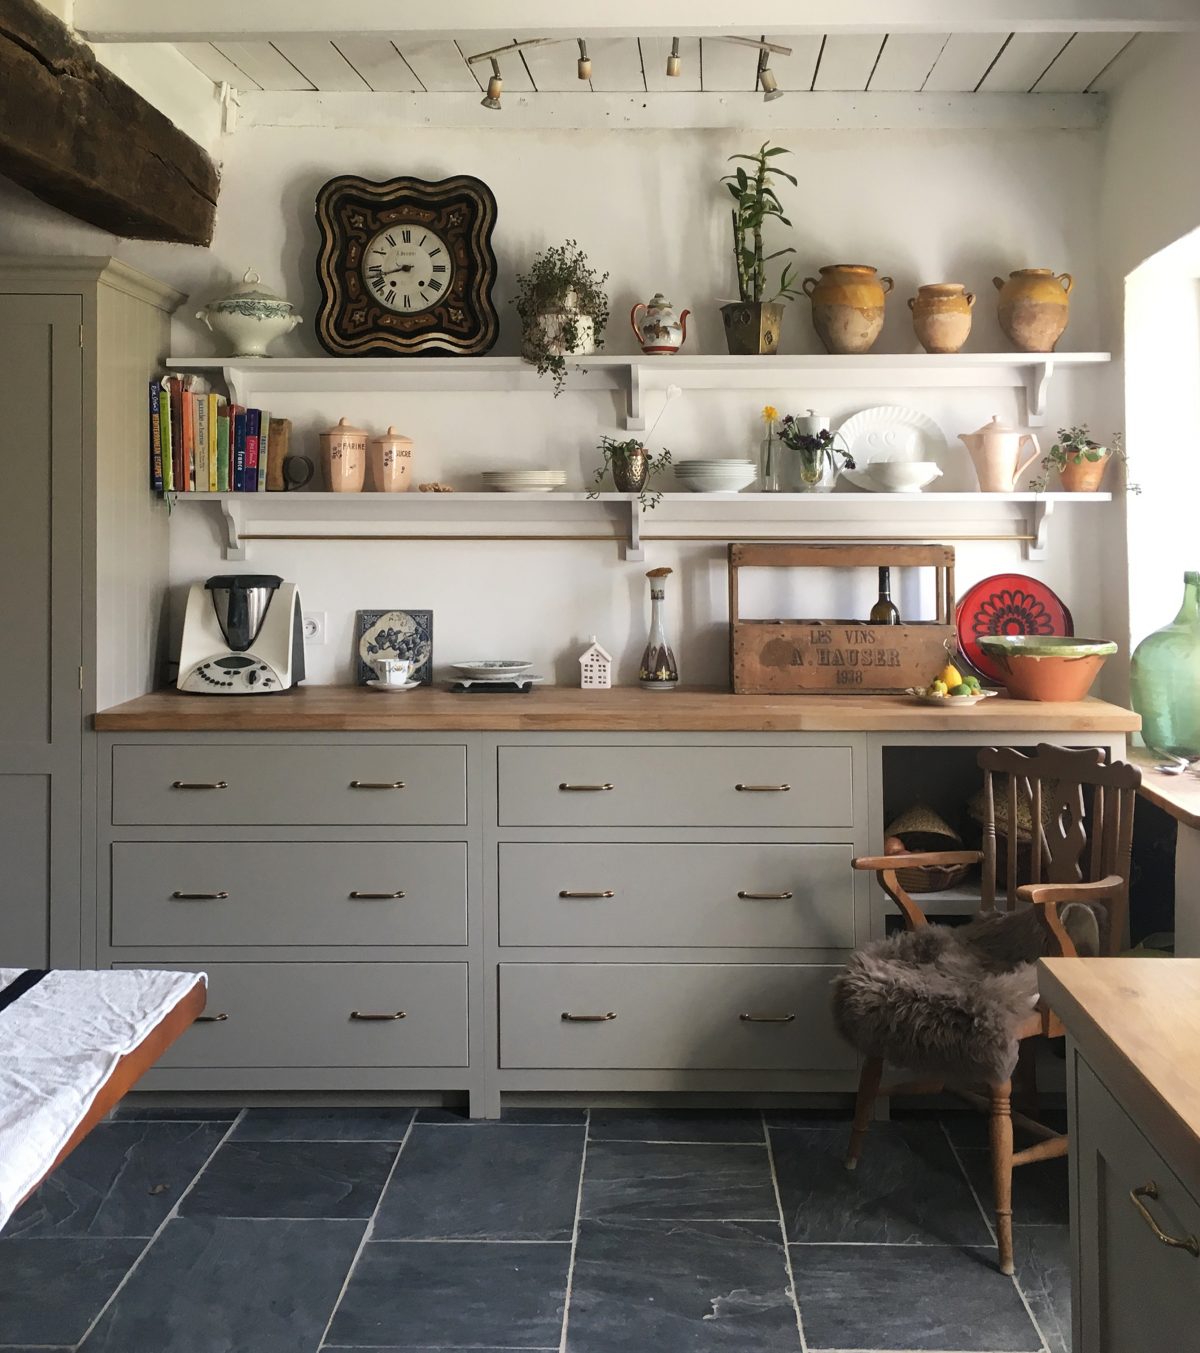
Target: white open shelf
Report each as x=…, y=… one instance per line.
x=943, y=517
x=254, y=381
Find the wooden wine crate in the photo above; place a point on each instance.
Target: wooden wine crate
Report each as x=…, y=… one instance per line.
x=791, y=657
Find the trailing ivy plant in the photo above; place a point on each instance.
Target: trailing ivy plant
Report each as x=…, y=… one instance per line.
x=614, y=453
x=1074, y=446
x=560, y=286
x=755, y=203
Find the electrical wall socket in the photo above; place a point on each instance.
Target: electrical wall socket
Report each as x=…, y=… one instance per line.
x=314, y=627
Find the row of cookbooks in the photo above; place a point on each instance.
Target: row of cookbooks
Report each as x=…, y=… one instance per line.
x=200, y=443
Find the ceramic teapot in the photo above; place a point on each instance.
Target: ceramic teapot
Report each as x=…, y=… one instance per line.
x=250, y=317
x=996, y=452
x=659, y=329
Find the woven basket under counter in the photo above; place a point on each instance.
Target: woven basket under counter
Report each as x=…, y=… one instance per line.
x=920, y=828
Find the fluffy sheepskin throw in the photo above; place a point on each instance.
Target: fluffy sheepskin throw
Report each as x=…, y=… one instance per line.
x=946, y=1001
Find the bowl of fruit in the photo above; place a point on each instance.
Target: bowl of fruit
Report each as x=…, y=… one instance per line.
x=951, y=690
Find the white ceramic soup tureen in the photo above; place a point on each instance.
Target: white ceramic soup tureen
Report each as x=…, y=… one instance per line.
x=250, y=317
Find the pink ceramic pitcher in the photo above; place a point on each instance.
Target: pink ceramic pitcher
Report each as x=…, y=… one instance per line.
x=996, y=452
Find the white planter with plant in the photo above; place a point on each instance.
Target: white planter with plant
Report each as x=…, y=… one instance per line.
x=563, y=309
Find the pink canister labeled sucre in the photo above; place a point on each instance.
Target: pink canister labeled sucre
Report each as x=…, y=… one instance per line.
x=391, y=462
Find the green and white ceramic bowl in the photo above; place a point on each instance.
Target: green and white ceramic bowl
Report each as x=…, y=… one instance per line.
x=1047, y=666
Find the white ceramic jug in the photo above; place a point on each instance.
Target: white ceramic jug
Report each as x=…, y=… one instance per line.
x=996, y=451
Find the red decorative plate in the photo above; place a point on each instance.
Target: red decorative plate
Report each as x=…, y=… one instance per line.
x=1008, y=603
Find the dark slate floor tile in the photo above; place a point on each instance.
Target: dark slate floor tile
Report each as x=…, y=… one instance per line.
x=292, y=1179
x=626, y=1180
x=52, y=1290
x=170, y=1113
x=121, y=1180
x=676, y=1125
x=908, y=1188
x=711, y=1287
x=454, y=1295
x=539, y=1117
x=323, y=1125
x=1043, y=1258
x=501, y=1183
x=225, y=1285
x=1040, y=1190
x=908, y=1297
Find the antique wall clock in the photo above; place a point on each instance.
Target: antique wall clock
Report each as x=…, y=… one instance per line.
x=406, y=267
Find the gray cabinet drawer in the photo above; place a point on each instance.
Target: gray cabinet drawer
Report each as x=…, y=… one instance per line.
x=747, y=896
x=226, y=784
x=630, y=785
x=662, y=1015
x=299, y=1014
x=1135, y=1291
x=191, y=893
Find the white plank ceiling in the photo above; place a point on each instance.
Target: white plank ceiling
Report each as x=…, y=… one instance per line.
x=992, y=63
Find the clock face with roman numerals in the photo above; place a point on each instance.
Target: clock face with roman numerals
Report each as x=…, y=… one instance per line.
x=406, y=267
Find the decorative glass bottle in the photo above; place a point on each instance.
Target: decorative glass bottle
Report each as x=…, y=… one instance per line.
x=1165, y=680
x=659, y=671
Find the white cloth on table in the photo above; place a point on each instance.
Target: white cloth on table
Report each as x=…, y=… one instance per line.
x=59, y=1042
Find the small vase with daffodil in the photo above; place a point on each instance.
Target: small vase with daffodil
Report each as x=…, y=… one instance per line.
x=769, y=467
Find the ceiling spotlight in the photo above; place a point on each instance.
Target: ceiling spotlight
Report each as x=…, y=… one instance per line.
x=495, y=87
x=584, y=66
x=770, y=85
x=673, y=62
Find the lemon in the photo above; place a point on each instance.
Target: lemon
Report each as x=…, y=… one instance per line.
x=938, y=688
x=950, y=676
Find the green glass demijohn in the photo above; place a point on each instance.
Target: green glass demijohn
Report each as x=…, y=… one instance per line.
x=1165, y=680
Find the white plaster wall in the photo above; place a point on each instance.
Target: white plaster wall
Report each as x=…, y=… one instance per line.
x=646, y=206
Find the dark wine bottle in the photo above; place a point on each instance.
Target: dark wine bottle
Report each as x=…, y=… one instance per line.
x=884, y=611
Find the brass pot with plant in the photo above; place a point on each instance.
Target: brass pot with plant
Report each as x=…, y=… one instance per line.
x=1083, y=463
x=563, y=309
x=752, y=323
x=632, y=468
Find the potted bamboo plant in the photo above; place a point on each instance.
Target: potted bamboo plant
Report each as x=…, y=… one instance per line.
x=563, y=309
x=752, y=323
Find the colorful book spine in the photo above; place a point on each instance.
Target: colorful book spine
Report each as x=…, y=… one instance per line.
x=178, y=477
x=156, y=460
x=164, y=428
x=189, y=441
x=264, y=451
x=200, y=404
x=214, y=402
x=223, y=479
x=239, y=450
x=253, y=427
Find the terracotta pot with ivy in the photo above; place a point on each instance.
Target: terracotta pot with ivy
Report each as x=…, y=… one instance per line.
x=1083, y=463
x=563, y=309
x=753, y=322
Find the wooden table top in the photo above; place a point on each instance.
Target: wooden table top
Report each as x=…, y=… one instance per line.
x=569, y=709
x=1137, y=1023
x=1178, y=795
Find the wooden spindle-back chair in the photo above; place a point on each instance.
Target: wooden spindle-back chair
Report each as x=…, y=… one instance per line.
x=1080, y=839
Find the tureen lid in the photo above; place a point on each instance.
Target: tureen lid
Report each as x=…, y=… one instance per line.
x=251, y=289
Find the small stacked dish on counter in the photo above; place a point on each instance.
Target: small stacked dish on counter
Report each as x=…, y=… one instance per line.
x=501, y=674
x=524, y=481
x=716, y=476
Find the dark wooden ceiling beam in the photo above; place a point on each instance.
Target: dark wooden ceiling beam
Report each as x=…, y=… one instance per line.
x=79, y=138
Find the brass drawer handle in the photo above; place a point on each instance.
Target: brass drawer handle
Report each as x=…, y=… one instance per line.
x=585, y=789
x=766, y=1019
x=367, y=1015
x=588, y=1019
x=377, y=897
x=762, y=789
x=764, y=897
x=569, y=892
x=196, y=784
x=378, y=784
x=1150, y=1190
x=200, y=897
x=211, y=1019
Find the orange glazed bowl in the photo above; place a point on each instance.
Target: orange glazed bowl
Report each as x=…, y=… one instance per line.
x=1047, y=666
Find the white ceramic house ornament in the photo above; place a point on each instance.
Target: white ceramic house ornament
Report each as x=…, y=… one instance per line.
x=595, y=668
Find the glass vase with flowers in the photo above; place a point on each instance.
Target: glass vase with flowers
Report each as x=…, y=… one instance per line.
x=818, y=458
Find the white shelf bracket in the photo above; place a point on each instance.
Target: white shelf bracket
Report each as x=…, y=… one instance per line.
x=635, y=418
x=1037, y=383
x=1039, y=525
x=232, y=546
x=633, y=550
x=232, y=376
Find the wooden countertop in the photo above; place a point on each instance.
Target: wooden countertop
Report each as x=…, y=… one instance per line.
x=1178, y=795
x=568, y=709
x=1137, y=1023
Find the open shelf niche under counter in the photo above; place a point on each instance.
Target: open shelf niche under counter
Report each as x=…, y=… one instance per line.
x=253, y=380
x=946, y=517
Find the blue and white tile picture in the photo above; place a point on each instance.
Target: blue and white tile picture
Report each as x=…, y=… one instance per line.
x=395, y=634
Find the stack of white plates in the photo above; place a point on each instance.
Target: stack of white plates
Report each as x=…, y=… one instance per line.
x=492, y=669
x=524, y=481
x=716, y=476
